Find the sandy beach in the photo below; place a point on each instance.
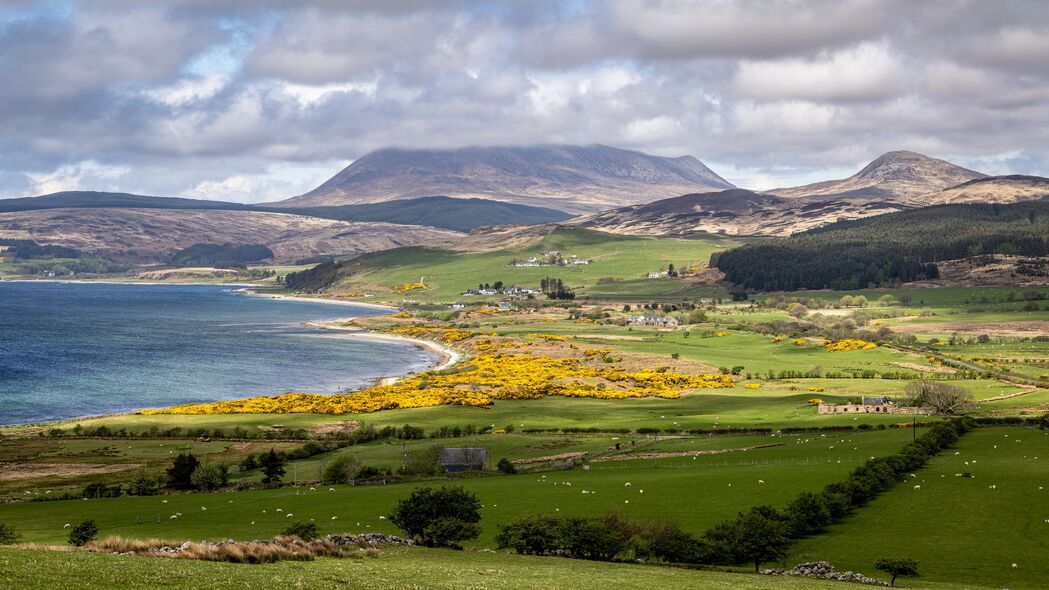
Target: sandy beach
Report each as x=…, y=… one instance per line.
x=449, y=356
x=253, y=293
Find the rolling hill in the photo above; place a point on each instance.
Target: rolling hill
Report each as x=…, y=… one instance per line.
x=894, y=175
x=153, y=235
x=992, y=189
x=736, y=212
x=441, y=212
x=574, y=179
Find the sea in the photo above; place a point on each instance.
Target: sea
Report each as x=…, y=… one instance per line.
x=80, y=349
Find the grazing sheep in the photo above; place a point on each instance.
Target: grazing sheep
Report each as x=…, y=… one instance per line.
x=626, y=485
x=289, y=515
x=280, y=510
x=66, y=525
x=917, y=487
x=203, y=507
x=1015, y=566
x=334, y=517
x=331, y=489
x=761, y=482
x=313, y=489
x=382, y=518
x=173, y=517
x=253, y=522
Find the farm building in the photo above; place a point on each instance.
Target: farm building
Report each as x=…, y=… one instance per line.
x=654, y=320
x=456, y=460
x=871, y=405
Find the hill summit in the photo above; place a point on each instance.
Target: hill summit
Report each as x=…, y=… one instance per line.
x=575, y=179
x=893, y=175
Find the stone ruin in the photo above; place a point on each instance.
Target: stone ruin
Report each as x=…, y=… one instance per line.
x=824, y=571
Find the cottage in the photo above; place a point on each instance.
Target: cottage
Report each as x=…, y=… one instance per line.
x=871, y=405
x=516, y=291
x=662, y=321
x=458, y=305
x=487, y=292
x=657, y=275
x=530, y=262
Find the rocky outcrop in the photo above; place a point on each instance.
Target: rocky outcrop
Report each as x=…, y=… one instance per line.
x=824, y=571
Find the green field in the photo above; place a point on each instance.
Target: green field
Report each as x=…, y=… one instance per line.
x=623, y=261
x=438, y=569
x=714, y=487
x=959, y=528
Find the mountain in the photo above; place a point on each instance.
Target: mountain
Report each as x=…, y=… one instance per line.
x=895, y=175
x=575, y=179
x=153, y=234
x=992, y=189
x=735, y=212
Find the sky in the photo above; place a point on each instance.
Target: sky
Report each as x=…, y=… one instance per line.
x=259, y=100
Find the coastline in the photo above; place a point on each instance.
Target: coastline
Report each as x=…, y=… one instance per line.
x=449, y=356
x=249, y=292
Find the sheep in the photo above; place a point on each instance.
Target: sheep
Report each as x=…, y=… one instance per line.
x=626, y=485
x=1015, y=566
x=382, y=518
x=280, y=510
x=918, y=487
x=203, y=507
x=331, y=489
x=173, y=517
x=761, y=482
x=253, y=522
x=288, y=515
x=335, y=518
x=66, y=525
x=313, y=489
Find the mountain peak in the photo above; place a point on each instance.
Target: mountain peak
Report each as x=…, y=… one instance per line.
x=893, y=175
x=571, y=178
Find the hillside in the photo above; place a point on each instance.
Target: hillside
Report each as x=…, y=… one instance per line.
x=152, y=235
x=444, y=212
x=617, y=265
x=993, y=189
x=575, y=179
x=893, y=248
x=894, y=175
x=735, y=212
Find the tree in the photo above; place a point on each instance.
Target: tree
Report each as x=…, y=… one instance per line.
x=144, y=484
x=272, y=464
x=761, y=536
x=504, y=465
x=426, y=461
x=897, y=567
x=797, y=310
x=342, y=470
x=82, y=533
x=671, y=272
x=210, y=476
x=439, y=517
x=307, y=531
x=8, y=536
x=180, y=474
x=531, y=535
x=941, y=397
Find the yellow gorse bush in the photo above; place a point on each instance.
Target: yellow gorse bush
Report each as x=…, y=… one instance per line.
x=753, y=386
x=405, y=287
x=449, y=335
x=549, y=337
x=488, y=377
x=848, y=345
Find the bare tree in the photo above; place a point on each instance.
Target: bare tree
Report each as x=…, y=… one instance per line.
x=942, y=398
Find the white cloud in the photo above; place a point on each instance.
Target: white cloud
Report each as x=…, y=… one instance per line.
x=866, y=72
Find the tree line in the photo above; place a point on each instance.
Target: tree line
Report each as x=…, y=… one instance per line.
x=887, y=249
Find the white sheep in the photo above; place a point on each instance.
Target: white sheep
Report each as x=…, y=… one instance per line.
x=917, y=487
x=280, y=510
x=382, y=518
x=761, y=482
x=173, y=517
x=334, y=518
x=313, y=489
x=203, y=507
x=289, y=515
x=331, y=489
x=626, y=485
x=253, y=522
x=66, y=525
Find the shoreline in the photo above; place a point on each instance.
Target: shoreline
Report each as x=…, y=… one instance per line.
x=249, y=291
x=447, y=356
x=130, y=282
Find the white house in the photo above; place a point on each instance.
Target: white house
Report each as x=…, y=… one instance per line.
x=663, y=321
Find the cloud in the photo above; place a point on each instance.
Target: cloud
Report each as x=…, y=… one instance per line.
x=261, y=99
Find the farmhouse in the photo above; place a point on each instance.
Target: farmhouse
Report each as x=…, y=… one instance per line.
x=658, y=275
x=871, y=405
x=663, y=321
x=533, y=261
x=458, y=305
x=516, y=291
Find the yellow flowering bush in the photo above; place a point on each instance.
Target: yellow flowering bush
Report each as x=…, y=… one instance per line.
x=799, y=342
x=405, y=287
x=722, y=333
x=848, y=345
x=449, y=335
x=753, y=386
x=403, y=315
x=491, y=377
x=815, y=401
x=817, y=389
x=548, y=337
x=777, y=339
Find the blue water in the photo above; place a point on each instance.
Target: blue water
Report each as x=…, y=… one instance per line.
x=69, y=350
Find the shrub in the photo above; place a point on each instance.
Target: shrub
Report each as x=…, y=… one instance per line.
x=504, y=465
x=144, y=484
x=596, y=538
x=307, y=531
x=180, y=474
x=83, y=532
x=210, y=476
x=896, y=567
x=342, y=470
x=531, y=535
x=439, y=517
x=424, y=461
x=8, y=536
